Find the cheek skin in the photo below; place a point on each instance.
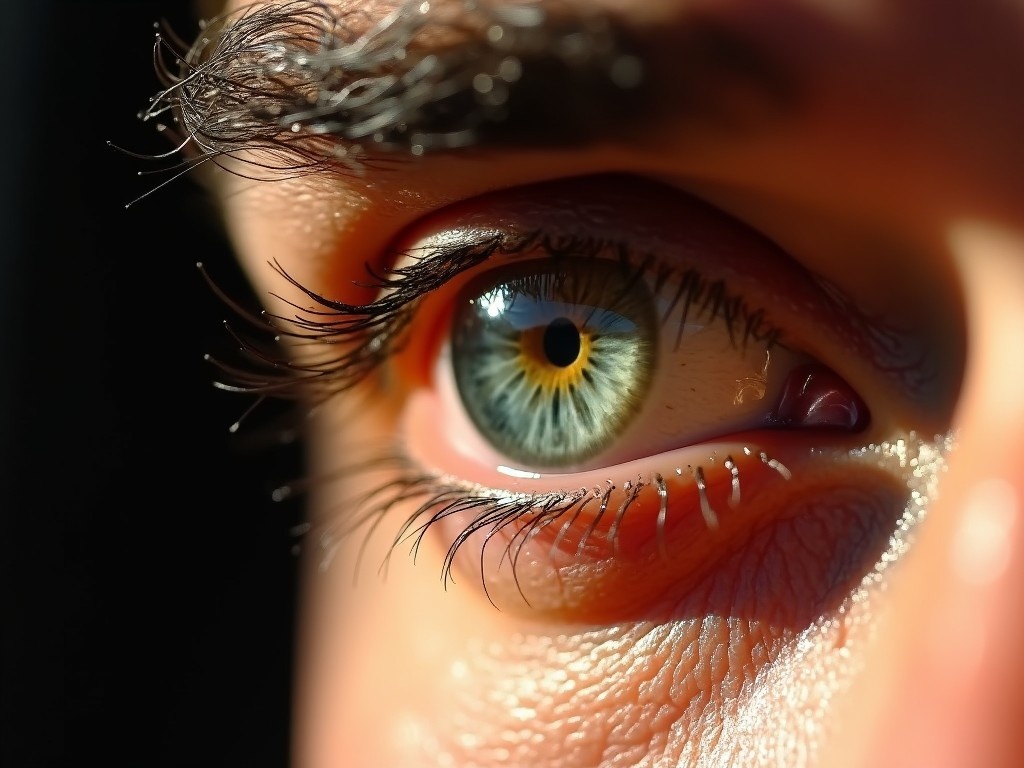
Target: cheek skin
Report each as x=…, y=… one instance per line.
x=737, y=668
x=947, y=690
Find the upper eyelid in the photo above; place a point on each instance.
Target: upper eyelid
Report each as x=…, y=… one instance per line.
x=869, y=352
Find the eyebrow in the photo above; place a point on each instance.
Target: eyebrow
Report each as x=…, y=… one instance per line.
x=311, y=84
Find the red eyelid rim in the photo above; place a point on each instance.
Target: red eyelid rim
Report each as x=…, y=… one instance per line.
x=644, y=513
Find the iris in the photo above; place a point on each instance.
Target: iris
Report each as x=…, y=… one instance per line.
x=553, y=359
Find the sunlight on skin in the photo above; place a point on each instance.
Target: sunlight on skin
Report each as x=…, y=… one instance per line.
x=897, y=181
x=947, y=662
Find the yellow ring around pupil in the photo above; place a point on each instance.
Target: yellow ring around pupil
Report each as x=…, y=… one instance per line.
x=539, y=369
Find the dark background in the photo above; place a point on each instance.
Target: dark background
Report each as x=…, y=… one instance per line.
x=148, y=581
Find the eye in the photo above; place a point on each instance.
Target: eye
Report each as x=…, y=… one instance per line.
x=582, y=362
x=725, y=405
x=551, y=362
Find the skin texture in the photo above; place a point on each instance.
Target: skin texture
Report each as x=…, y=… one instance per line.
x=898, y=179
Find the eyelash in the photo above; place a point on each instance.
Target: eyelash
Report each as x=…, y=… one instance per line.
x=439, y=497
x=370, y=333
x=358, y=339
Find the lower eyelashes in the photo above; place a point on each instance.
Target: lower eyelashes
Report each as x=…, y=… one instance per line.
x=641, y=546
x=606, y=544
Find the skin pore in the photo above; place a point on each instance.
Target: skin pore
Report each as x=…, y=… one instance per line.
x=884, y=172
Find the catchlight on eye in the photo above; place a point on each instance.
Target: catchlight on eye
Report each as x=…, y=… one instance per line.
x=553, y=360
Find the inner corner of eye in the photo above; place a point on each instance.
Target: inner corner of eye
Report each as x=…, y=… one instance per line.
x=814, y=396
x=564, y=365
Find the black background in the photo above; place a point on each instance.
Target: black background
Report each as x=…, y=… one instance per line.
x=148, y=579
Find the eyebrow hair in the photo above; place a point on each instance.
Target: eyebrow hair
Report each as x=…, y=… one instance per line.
x=310, y=84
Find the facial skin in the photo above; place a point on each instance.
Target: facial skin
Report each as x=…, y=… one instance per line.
x=893, y=172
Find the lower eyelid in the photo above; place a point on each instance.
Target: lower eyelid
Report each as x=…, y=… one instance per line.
x=656, y=539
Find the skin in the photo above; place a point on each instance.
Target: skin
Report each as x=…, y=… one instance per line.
x=899, y=180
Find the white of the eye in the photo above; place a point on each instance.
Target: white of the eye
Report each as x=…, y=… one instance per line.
x=705, y=386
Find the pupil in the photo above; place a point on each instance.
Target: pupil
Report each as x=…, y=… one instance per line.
x=562, y=342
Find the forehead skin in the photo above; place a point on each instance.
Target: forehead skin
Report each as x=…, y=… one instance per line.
x=902, y=161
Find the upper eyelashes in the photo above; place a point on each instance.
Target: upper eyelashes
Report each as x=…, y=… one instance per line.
x=333, y=345
x=357, y=338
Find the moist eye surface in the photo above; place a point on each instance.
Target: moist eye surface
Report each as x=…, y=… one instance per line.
x=552, y=361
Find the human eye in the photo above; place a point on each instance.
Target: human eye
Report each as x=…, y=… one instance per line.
x=699, y=536
x=582, y=397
